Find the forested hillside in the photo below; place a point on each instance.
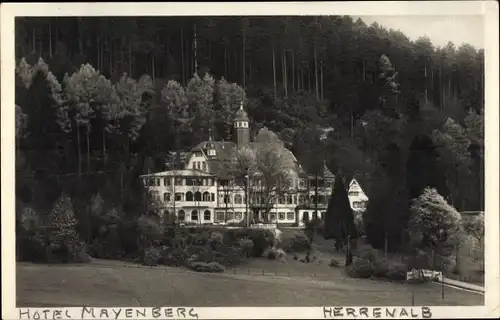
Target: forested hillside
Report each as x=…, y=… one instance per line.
x=112, y=97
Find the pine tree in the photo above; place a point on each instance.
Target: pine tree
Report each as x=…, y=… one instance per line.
x=62, y=219
x=339, y=219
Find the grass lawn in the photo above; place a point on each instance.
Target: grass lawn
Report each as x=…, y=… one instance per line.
x=101, y=284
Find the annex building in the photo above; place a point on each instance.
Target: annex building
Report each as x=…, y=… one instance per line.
x=201, y=191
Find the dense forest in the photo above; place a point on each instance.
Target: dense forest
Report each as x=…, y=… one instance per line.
x=101, y=100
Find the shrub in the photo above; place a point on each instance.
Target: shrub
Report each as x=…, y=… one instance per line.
x=297, y=242
x=275, y=254
x=380, y=267
x=173, y=256
x=334, y=263
x=152, y=256
x=246, y=247
x=262, y=239
x=215, y=239
x=367, y=252
x=359, y=268
x=212, y=267
x=33, y=245
x=150, y=231
x=397, y=271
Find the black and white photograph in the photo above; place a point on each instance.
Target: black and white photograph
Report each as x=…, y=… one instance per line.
x=166, y=162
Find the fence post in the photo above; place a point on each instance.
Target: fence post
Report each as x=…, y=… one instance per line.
x=412, y=298
x=442, y=286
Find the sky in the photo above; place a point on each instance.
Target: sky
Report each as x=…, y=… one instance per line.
x=440, y=29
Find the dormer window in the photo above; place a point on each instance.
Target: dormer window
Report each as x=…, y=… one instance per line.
x=241, y=124
x=211, y=152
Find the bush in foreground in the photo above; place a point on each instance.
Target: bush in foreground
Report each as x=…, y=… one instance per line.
x=212, y=267
x=295, y=242
x=370, y=262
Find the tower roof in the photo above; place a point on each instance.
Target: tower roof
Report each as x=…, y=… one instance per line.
x=241, y=114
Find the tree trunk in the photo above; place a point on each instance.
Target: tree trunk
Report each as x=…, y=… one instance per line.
x=243, y=55
x=283, y=72
x=130, y=58
x=250, y=69
x=316, y=71
x=225, y=62
x=182, y=57
x=88, y=148
x=364, y=70
x=385, y=244
x=309, y=80
x=80, y=36
x=425, y=81
x=98, y=42
x=195, y=52
x=110, y=57
x=50, y=39
x=104, y=155
x=442, y=87
x=153, y=66
x=57, y=40
x=293, y=70
x=274, y=74
x=79, y=172
x=321, y=73
x=33, y=39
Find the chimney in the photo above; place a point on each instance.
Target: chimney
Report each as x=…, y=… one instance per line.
x=209, y=134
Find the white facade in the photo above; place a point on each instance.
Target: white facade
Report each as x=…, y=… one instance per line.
x=357, y=196
x=197, y=196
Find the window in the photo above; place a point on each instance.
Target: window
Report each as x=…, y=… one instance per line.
x=206, y=196
x=166, y=181
x=322, y=199
x=302, y=199
x=154, y=195
x=238, y=199
x=230, y=216
x=213, y=196
x=178, y=196
x=182, y=215
x=158, y=182
x=302, y=183
x=197, y=196
x=189, y=196
x=289, y=199
x=166, y=196
x=273, y=216
x=290, y=216
x=281, y=216
x=238, y=215
x=227, y=199
x=204, y=166
x=194, y=215
x=219, y=216
x=305, y=216
x=353, y=193
x=295, y=199
x=207, y=215
x=179, y=181
x=281, y=200
x=198, y=154
x=315, y=215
